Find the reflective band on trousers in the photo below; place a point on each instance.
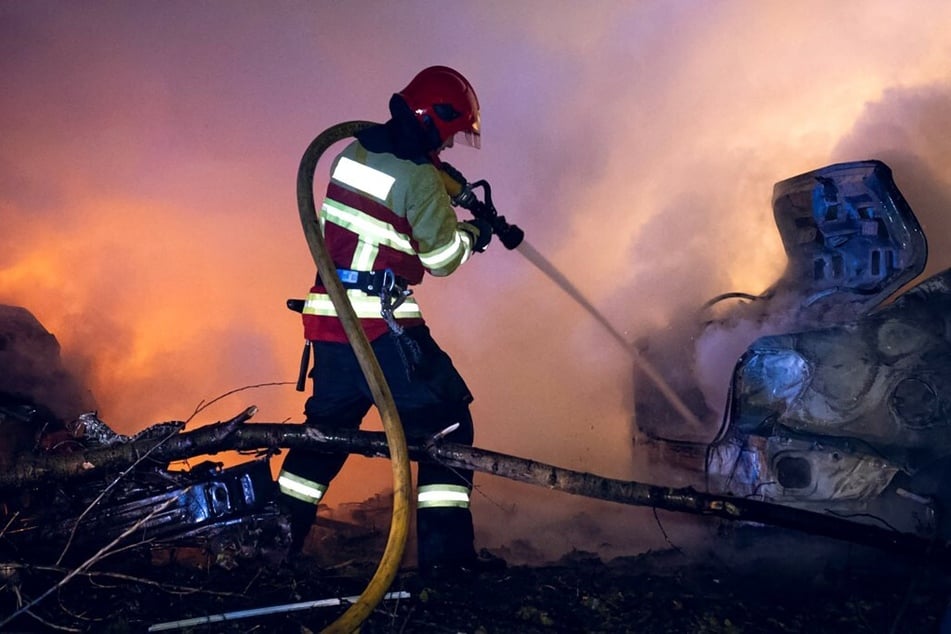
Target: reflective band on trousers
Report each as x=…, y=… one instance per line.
x=365, y=306
x=300, y=488
x=431, y=496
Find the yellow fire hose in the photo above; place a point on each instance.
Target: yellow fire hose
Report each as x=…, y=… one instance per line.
x=357, y=613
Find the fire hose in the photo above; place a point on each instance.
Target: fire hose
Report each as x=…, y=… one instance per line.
x=386, y=570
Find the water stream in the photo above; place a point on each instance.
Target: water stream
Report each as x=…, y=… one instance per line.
x=542, y=263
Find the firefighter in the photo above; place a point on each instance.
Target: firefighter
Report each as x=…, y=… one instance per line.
x=387, y=221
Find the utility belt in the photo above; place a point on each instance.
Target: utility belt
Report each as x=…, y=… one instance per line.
x=372, y=282
x=391, y=289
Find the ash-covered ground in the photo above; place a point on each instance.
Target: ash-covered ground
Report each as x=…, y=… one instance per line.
x=745, y=579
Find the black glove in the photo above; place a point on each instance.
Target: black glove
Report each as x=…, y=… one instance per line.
x=484, y=229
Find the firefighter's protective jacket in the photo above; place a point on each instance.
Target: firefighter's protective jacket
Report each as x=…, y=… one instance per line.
x=386, y=208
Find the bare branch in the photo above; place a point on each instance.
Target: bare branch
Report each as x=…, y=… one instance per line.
x=62, y=628
x=171, y=588
x=234, y=435
x=103, y=493
x=98, y=556
x=203, y=405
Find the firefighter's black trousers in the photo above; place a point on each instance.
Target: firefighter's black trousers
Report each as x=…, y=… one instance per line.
x=429, y=397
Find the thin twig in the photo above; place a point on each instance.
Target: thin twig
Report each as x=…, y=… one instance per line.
x=253, y=579
x=72, y=533
x=64, y=628
x=132, y=546
x=664, y=531
x=203, y=405
x=168, y=587
x=76, y=616
x=98, y=556
x=7, y=525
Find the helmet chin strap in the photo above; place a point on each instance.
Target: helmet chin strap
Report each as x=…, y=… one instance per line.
x=432, y=133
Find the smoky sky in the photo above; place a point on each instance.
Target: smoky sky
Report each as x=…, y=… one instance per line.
x=149, y=152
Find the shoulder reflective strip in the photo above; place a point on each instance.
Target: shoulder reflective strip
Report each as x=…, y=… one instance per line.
x=365, y=306
x=442, y=495
x=366, y=226
x=300, y=488
x=438, y=258
x=362, y=177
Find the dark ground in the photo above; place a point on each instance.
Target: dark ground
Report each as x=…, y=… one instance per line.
x=752, y=579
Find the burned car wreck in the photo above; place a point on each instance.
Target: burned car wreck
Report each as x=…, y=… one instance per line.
x=840, y=400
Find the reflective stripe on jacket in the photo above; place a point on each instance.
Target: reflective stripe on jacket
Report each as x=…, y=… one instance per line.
x=382, y=212
x=365, y=306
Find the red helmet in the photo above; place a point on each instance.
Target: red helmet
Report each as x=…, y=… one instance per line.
x=442, y=98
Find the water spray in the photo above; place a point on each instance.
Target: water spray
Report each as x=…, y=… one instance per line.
x=513, y=238
x=541, y=263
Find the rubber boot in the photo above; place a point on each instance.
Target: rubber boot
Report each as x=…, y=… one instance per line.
x=444, y=538
x=301, y=516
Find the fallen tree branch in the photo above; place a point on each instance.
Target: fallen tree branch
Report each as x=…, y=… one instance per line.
x=236, y=435
x=687, y=500
x=36, y=468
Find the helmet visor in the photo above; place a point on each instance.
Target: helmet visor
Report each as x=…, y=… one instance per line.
x=473, y=136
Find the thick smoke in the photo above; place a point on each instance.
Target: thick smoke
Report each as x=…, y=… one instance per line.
x=907, y=129
x=148, y=218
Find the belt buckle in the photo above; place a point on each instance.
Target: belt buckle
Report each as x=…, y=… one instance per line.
x=348, y=276
x=389, y=282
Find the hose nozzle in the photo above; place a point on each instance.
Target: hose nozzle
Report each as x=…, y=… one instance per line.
x=509, y=235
